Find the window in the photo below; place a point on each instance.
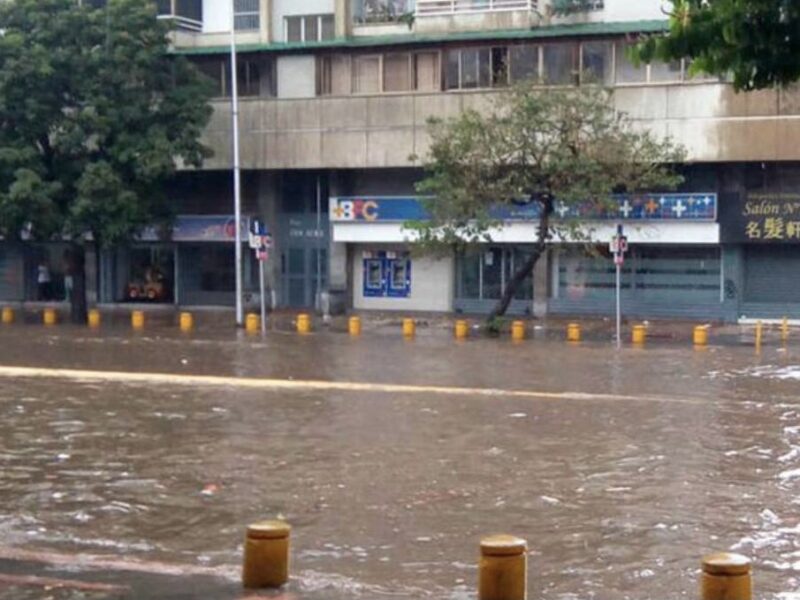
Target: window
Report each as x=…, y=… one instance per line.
x=309, y=28
x=472, y=68
x=524, y=63
x=665, y=72
x=366, y=75
x=246, y=15
x=484, y=274
x=597, y=63
x=627, y=72
x=396, y=72
x=255, y=76
x=560, y=64
x=426, y=72
x=335, y=77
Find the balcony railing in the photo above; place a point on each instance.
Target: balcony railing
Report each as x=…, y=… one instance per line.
x=381, y=11
x=428, y=8
x=184, y=24
x=187, y=14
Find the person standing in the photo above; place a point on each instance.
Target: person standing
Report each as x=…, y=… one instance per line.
x=43, y=281
x=68, y=280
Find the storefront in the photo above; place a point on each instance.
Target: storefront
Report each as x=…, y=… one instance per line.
x=195, y=267
x=34, y=272
x=675, y=267
x=763, y=231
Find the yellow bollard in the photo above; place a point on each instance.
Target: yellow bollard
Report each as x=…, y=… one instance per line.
x=252, y=324
x=700, y=335
x=759, y=335
x=462, y=330
x=354, y=326
x=785, y=330
x=186, y=321
x=726, y=577
x=409, y=328
x=303, y=324
x=94, y=318
x=573, y=332
x=266, y=555
x=137, y=320
x=49, y=317
x=502, y=571
x=518, y=331
x=639, y=335
x=8, y=315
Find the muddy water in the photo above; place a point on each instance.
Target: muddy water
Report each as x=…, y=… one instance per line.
x=389, y=493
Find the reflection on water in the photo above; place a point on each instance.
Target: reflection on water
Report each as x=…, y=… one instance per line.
x=390, y=493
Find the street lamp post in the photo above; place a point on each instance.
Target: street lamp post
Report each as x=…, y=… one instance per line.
x=237, y=176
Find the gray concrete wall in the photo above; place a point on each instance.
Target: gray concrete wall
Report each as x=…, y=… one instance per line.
x=432, y=284
x=383, y=131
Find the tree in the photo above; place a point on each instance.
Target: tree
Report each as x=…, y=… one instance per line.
x=757, y=41
x=96, y=114
x=546, y=148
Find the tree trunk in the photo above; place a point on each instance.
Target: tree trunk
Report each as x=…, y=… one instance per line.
x=76, y=265
x=526, y=269
x=512, y=286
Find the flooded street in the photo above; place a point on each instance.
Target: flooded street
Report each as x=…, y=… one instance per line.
x=651, y=458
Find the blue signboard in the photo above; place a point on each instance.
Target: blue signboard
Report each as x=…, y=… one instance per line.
x=640, y=207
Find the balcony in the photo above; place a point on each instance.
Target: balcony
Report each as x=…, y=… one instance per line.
x=437, y=8
x=186, y=14
x=367, y=12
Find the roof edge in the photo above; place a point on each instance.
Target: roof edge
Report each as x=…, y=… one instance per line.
x=536, y=33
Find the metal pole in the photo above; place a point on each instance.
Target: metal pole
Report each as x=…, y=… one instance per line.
x=619, y=306
x=261, y=267
x=237, y=178
x=318, y=299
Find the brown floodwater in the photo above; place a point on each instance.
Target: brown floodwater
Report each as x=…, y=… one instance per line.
x=681, y=453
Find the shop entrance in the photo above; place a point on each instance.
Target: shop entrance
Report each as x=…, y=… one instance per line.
x=304, y=239
x=481, y=279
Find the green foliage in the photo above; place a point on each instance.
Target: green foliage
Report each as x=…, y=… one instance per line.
x=95, y=115
x=534, y=146
x=757, y=41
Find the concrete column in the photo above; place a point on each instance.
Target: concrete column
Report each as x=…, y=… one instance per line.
x=338, y=251
x=344, y=22
x=266, y=21
x=541, y=285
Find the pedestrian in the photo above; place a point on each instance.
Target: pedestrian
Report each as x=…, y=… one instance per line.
x=68, y=280
x=43, y=281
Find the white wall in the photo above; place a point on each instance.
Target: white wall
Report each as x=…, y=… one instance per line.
x=432, y=283
x=635, y=10
x=284, y=8
x=216, y=16
x=297, y=77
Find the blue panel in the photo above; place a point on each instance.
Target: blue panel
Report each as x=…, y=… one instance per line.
x=640, y=207
x=398, y=289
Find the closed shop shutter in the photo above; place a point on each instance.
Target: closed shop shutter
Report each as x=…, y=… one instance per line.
x=772, y=274
x=11, y=273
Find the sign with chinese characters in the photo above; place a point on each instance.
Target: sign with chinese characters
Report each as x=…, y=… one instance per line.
x=641, y=207
x=761, y=218
x=200, y=228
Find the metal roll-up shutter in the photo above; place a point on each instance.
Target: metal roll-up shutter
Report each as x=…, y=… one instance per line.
x=772, y=274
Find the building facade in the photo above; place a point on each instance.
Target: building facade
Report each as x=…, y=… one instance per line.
x=335, y=95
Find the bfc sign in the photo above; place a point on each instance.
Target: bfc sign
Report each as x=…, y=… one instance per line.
x=643, y=207
x=355, y=210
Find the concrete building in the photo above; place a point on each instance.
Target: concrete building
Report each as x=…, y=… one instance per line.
x=335, y=97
